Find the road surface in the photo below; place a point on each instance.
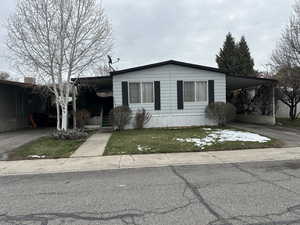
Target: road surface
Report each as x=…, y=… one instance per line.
x=250, y=193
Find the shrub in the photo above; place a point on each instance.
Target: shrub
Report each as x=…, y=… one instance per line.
x=142, y=118
x=81, y=117
x=120, y=117
x=221, y=112
x=70, y=134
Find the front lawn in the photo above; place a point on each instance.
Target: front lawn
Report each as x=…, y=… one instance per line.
x=288, y=123
x=46, y=147
x=184, y=140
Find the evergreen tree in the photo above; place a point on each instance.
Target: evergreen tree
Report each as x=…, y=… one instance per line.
x=245, y=61
x=227, y=59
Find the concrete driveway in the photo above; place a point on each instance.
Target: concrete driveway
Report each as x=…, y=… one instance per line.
x=11, y=140
x=290, y=137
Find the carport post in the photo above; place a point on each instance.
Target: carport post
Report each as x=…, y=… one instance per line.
x=274, y=104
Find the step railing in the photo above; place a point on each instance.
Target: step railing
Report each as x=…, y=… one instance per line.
x=101, y=117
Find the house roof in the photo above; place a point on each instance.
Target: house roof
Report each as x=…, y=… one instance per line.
x=169, y=62
x=233, y=82
x=17, y=84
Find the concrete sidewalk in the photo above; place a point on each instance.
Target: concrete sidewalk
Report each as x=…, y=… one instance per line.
x=140, y=161
x=94, y=146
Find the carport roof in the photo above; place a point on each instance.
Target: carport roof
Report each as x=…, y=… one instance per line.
x=99, y=83
x=239, y=82
x=17, y=84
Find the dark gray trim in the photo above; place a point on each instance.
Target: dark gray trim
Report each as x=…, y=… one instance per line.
x=125, y=93
x=180, y=104
x=157, y=102
x=173, y=62
x=211, y=91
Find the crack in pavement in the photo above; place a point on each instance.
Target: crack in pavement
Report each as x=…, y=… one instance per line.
x=234, y=165
x=128, y=216
x=265, y=219
x=198, y=195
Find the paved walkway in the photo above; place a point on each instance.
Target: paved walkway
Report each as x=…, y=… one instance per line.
x=288, y=136
x=94, y=146
x=11, y=140
x=140, y=161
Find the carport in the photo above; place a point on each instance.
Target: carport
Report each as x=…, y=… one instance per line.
x=235, y=84
x=21, y=106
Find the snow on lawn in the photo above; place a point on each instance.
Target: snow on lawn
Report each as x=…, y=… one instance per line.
x=143, y=148
x=219, y=136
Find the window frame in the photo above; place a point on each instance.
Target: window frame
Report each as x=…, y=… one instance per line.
x=141, y=92
x=195, y=91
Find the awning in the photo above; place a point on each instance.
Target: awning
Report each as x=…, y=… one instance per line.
x=100, y=84
x=239, y=82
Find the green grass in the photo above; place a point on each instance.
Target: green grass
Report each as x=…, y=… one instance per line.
x=46, y=146
x=288, y=123
x=164, y=141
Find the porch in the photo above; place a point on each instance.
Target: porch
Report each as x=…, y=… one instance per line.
x=95, y=97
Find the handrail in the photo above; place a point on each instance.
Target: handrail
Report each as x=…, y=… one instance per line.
x=101, y=116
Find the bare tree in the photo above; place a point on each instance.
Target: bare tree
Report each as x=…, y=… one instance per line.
x=57, y=40
x=4, y=75
x=286, y=63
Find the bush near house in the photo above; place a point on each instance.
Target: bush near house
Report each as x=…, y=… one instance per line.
x=70, y=135
x=82, y=116
x=221, y=112
x=120, y=117
x=142, y=118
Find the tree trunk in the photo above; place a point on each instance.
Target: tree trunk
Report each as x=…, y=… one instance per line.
x=74, y=107
x=64, y=121
x=58, y=117
x=292, y=112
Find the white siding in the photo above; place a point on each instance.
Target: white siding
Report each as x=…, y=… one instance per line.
x=193, y=114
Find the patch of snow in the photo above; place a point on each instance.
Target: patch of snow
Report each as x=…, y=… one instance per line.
x=37, y=156
x=143, y=148
x=220, y=136
x=207, y=129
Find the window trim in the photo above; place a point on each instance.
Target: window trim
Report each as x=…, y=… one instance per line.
x=195, y=91
x=141, y=92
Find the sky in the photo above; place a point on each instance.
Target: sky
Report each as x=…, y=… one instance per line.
x=149, y=31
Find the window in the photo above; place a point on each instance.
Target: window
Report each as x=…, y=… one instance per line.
x=147, y=92
x=195, y=91
x=189, y=91
x=135, y=92
x=141, y=92
x=201, y=91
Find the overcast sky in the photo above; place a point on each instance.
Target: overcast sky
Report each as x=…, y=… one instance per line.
x=147, y=31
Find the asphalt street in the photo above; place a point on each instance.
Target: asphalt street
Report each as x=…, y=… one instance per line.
x=265, y=193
